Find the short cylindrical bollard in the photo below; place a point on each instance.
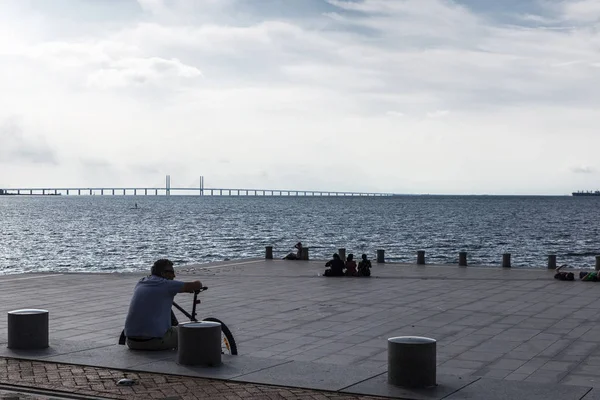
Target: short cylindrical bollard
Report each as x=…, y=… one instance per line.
x=462, y=259
x=304, y=254
x=421, y=257
x=269, y=252
x=342, y=254
x=506, y=260
x=28, y=329
x=381, y=256
x=552, y=261
x=597, y=263
x=412, y=361
x=199, y=343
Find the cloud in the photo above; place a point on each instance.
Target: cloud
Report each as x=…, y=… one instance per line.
x=77, y=54
x=153, y=6
x=412, y=19
x=183, y=7
x=18, y=148
x=394, y=114
x=581, y=10
x=142, y=71
x=96, y=167
x=95, y=163
x=145, y=169
x=582, y=169
x=538, y=18
x=568, y=63
x=102, y=170
x=438, y=114
x=465, y=61
x=110, y=63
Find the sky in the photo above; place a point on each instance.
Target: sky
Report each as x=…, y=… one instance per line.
x=395, y=96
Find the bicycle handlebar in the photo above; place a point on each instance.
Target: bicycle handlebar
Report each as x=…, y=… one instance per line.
x=201, y=290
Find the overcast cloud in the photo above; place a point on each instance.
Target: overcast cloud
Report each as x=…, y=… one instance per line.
x=403, y=96
x=17, y=148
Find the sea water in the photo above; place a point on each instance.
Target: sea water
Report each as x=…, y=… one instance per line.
x=107, y=233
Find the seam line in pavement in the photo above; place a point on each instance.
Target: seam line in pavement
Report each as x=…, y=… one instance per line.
x=356, y=383
x=45, y=357
x=586, y=393
x=258, y=370
x=459, y=389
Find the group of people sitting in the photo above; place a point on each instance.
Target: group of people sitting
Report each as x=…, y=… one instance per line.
x=337, y=266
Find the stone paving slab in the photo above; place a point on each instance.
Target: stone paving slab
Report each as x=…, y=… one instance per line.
x=309, y=375
x=112, y=356
x=507, y=324
x=231, y=367
x=57, y=348
x=492, y=389
x=378, y=385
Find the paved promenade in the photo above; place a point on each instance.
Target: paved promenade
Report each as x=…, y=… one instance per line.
x=502, y=334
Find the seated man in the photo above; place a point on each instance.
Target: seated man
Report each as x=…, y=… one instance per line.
x=364, y=267
x=336, y=267
x=298, y=255
x=148, y=323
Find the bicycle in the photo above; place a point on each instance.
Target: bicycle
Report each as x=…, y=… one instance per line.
x=228, y=345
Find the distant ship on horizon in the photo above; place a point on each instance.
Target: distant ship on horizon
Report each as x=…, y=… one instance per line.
x=588, y=193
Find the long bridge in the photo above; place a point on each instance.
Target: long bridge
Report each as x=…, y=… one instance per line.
x=168, y=190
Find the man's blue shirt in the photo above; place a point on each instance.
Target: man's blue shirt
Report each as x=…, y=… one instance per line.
x=150, y=308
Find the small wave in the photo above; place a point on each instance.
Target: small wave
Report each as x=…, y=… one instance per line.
x=582, y=254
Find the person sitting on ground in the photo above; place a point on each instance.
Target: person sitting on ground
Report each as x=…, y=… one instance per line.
x=364, y=267
x=297, y=255
x=563, y=276
x=351, y=266
x=148, y=322
x=589, y=276
x=336, y=267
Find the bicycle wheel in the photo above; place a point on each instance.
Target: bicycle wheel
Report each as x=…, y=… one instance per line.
x=228, y=345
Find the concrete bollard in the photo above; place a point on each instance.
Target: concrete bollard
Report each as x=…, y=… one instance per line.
x=28, y=329
x=506, y=260
x=462, y=259
x=304, y=254
x=342, y=254
x=552, y=261
x=412, y=361
x=421, y=257
x=199, y=343
x=381, y=256
x=597, y=263
x=269, y=252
